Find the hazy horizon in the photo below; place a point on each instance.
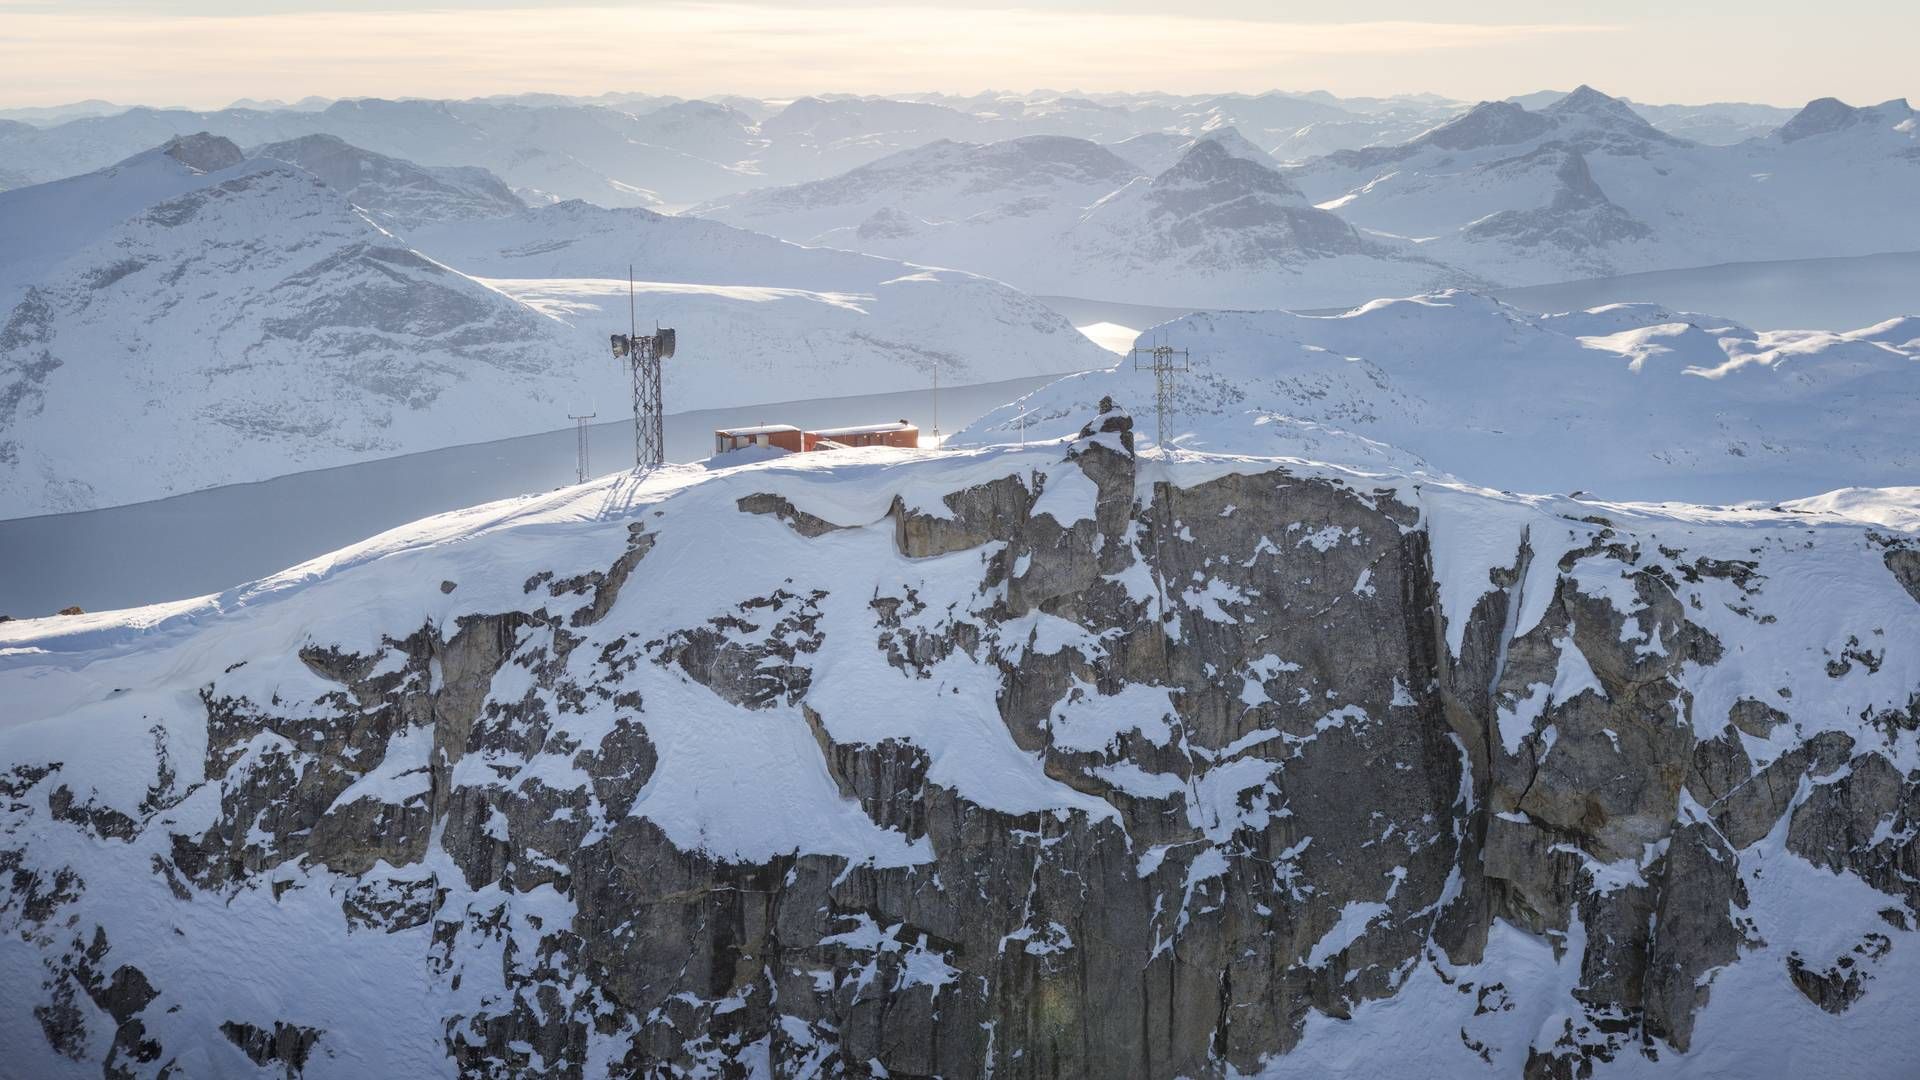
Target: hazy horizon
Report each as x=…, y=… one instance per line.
x=208, y=53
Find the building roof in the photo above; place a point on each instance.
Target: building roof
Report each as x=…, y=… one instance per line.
x=761, y=429
x=864, y=429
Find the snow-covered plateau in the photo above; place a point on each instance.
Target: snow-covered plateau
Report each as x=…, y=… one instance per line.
x=1042, y=760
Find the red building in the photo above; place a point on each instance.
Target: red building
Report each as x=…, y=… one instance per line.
x=898, y=433
x=783, y=436
x=787, y=437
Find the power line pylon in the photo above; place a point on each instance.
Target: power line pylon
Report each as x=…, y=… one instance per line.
x=580, y=443
x=1166, y=362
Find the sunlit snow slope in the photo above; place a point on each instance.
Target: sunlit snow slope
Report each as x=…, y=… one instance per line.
x=1627, y=401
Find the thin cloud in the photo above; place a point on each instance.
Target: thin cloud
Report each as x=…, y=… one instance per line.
x=693, y=49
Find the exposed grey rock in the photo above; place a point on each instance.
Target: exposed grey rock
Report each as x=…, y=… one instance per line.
x=1904, y=563
x=1362, y=758
x=286, y=1044
x=1837, y=986
x=1692, y=932
x=1720, y=764
x=799, y=521
x=1756, y=717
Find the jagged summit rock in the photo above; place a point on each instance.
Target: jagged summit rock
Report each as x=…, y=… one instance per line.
x=203, y=152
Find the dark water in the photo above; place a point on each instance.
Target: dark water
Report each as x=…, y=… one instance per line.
x=188, y=545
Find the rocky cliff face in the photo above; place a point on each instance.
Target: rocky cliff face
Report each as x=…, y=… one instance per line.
x=1058, y=762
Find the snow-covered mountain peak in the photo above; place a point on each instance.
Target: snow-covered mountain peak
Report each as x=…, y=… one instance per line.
x=1229, y=139
x=397, y=192
x=313, y=339
x=203, y=152
x=1824, y=116
x=1224, y=164
x=1490, y=123
x=1584, y=100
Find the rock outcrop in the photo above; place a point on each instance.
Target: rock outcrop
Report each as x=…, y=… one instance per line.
x=1124, y=771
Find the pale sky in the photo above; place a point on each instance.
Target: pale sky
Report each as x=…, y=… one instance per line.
x=206, y=53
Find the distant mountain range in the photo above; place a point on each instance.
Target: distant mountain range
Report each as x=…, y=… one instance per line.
x=1585, y=187
x=324, y=283
x=1219, y=224
x=1501, y=194
x=666, y=152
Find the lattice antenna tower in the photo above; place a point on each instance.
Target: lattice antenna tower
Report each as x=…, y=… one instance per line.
x=1166, y=362
x=643, y=356
x=580, y=443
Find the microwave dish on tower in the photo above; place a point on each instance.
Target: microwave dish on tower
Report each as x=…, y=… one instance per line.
x=643, y=355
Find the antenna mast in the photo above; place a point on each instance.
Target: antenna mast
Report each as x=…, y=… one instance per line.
x=1166, y=362
x=643, y=355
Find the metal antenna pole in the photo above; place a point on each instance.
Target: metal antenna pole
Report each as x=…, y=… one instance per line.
x=644, y=354
x=653, y=439
x=633, y=334
x=580, y=443
x=1166, y=362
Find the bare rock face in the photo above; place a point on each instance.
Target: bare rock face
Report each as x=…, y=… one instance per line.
x=204, y=152
x=1293, y=797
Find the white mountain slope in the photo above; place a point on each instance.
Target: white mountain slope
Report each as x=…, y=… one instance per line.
x=991, y=194
x=43, y=224
x=1585, y=187
x=1630, y=401
x=250, y=325
x=397, y=193
x=244, y=320
x=1219, y=226
x=760, y=319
